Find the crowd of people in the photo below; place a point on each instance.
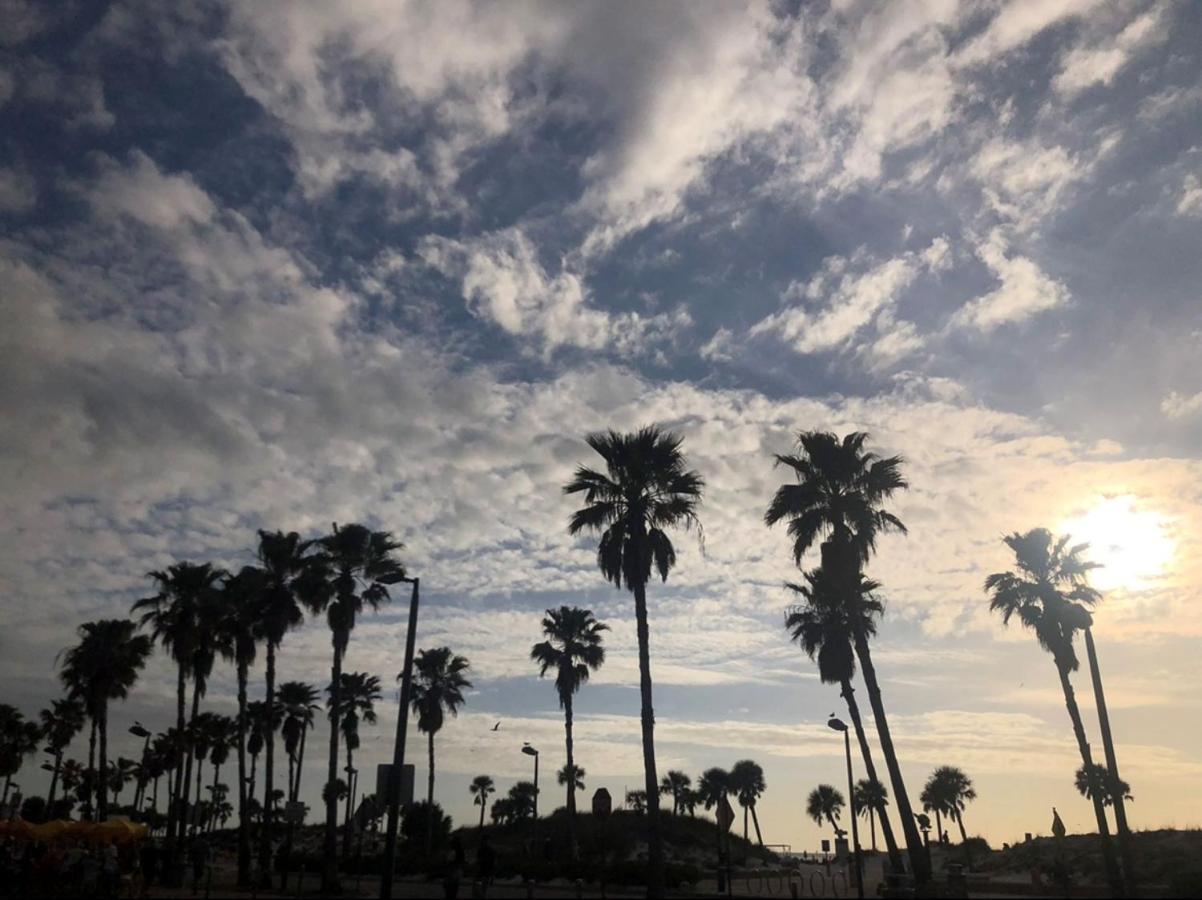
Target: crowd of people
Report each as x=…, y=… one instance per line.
x=76, y=868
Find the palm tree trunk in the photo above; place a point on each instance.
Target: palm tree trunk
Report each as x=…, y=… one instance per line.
x=269, y=775
x=216, y=771
x=430, y=798
x=655, y=845
x=154, y=796
x=103, y=806
x=329, y=874
x=755, y=820
x=483, y=801
x=872, y=826
x=243, y=815
x=919, y=863
x=58, y=761
x=1074, y=713
x=187, y=785
x=567, y=727
x=300, y=762
x=938, y=827
x=853, y=710
x=346, y=818
x=746, y=841
x=92, y=780
x=960, y=823
x=1112, y=765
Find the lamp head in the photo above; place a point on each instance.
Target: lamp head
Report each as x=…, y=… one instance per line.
x=836, y=724
x=138, y=730
x=528, y=750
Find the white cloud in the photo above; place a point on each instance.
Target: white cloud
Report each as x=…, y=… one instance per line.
x=1016, y=23
x=1189, y=203
x=1181, y=406
x=142, y=191
x=1024, y=289
x=1085, y=66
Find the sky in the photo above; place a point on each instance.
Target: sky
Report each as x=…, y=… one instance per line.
x=278, y=265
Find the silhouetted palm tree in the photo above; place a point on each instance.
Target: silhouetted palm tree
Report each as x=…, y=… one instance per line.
x=298, y=701
x=521, y=799
x=357, y=697
x=870, y=799
x=825, y=803
x=241, y=600
x=288, y=570
x=353, y=570
x=956, y=790
x=60, y=723
x=480, y=788
x=1044, y=593
x=823, y=628
x=645, y=490
x=573, y=649
x=439, y=680
x=576, y=778
x=19, y=738
x=637, y=801
x=934, y=800
x=675, y=783
x=747, y=779
x=173, y=616
x=838, y=496
x=223, y=737
x=712, y=786
x=103, y=666
x=1099, y=781
x=689, y=800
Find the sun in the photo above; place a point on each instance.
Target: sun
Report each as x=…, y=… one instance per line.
x=1132, y=544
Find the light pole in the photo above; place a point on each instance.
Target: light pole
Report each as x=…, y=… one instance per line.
x=139, y=730
x=393, y=800
x=840, y=725
x=530, y=751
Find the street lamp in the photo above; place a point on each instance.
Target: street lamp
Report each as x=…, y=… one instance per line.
x=530, y=751
x=139, y=730
x=839, y=725
x=393, y=800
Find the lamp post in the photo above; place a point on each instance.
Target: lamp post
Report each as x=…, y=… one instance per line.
x=839, y=725
x=139, y=730
x=393, y=800
x=530, y=751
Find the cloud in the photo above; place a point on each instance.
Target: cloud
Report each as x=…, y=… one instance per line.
x=1016, y=23
x=1085, y=66
x=1179, y=406
x=1024, y=290
x=847, y=295
x=18, y=190
x=1189, y=203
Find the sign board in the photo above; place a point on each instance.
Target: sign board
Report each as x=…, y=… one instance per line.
x=383, y=771
x=725, y=814
x=603, y=803
x=294, y=812
x=826, y=845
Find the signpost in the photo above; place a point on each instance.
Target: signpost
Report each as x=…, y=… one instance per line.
x=726, y=816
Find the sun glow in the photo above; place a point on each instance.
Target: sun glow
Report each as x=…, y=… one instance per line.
x=1133, y=545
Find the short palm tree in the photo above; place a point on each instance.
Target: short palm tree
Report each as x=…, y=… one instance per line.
x=572, y=650
x=714, y=785
x=481, y=787
x=837, y=496
x=223, y=738
x=689, y=801
x=870, y=799
x=825, y=803
x=172, y=615
x=646, y=490
x=289, y=570
x=747, y=779
x=675, y=783
x=521, y=798
x=574, y=774
x=934, y=800
x=19, y=738
x=352, y=570
x=103, y=666
x=61, y=722
x=822, y=626
x=298, y=701
x=1046, y=594
x=439, y=680
x=357, y=696
x=956, y=791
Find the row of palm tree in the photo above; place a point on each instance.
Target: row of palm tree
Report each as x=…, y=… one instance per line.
x=947, y=792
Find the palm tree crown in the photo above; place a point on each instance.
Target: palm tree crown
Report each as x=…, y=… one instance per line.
x=825, y=625
x=438, y=685
x=838, y=491
x=825, y=803
x=573, y=648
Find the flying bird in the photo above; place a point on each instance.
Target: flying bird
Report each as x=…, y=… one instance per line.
x=496, y=727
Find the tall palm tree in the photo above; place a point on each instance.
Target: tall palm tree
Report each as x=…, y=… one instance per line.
x=837, y=496
x=103, y=666
x=645, y=491
x=825, y=803
x=822, y=626
x=299, y=703
x=439, y=679
x=1046, y=593
x=60, y=723
x=352, y=570
x=675, y=783
x=747, y=779
x=870, y=799
x=173, y=617
x=573, y=650
x=288, y=567
x=19, y=738
x=358, y=695
x=480, y=788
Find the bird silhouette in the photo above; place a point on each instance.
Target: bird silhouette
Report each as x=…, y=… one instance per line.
x=496, y=727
